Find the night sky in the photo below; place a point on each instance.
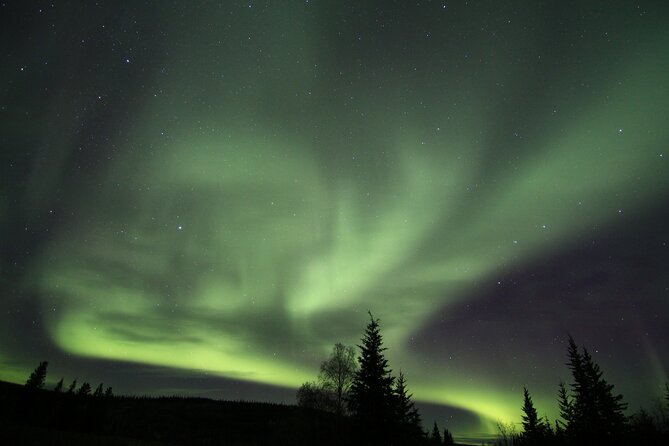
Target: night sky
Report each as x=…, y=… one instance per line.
x=201, y=198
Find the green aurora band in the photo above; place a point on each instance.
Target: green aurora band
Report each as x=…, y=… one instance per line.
x=242, y=225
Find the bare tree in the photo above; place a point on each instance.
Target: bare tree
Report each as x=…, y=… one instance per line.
x=312, y=395
x=507, y=434
x=337, y=374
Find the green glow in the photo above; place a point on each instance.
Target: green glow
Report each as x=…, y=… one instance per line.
x=488, y=403
x=229, y=226
x=13, y=373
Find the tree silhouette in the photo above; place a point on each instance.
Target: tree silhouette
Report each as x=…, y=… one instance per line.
x=610, y=406
x=73, y=386
x=593, y=414
x=566, y=406
x=535, y=430
x=108, y=393
x=98, y=391
x=507, y=434
x=38, y=376
x=644, y=429
x=372, y=397
x=530, y=417
x=85, y=389
x=337, y=374
x=313, y=396
x=435, y=436
x=448, y=438
x=59, y=386
x=410, y=429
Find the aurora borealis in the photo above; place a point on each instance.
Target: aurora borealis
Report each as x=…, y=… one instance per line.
x=203, y=197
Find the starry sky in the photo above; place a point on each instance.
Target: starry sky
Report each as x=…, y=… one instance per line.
x=201, y=198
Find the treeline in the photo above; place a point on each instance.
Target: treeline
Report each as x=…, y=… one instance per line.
x=355, y=400
x=79, y=408
x=37, y=380
x=32, y=416
x=591, y=412
x=364, y=390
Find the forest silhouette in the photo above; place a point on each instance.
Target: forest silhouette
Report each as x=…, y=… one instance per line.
x=355, y=400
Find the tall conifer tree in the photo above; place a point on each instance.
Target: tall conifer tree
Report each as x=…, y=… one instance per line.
x=448, y=438
x=372, y=397
x=408, y=418
x=595, y=413
x=536, y=431
x=566, y=406
x=435, y=437
x=530, y=417
x=38, y=376
x=73, y=386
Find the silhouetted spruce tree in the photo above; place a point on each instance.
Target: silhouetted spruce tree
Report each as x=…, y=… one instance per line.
x=596, y=413
x=72, y=387
x=448, y=438
x=583, y=420
x=98, y=391
x=410, y=428
x=85, y=389
x=59, y=386
x=372, y=398
x=566, y=407
x=610, y=406
x=435, y=436
x=535, y=430
x=108, y=393
x=38, y=376
x=530, y=417
x=337, y=374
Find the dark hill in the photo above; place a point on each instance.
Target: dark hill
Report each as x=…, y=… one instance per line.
x=46, y=417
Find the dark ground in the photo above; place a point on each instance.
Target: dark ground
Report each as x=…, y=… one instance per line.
x=49, y=418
